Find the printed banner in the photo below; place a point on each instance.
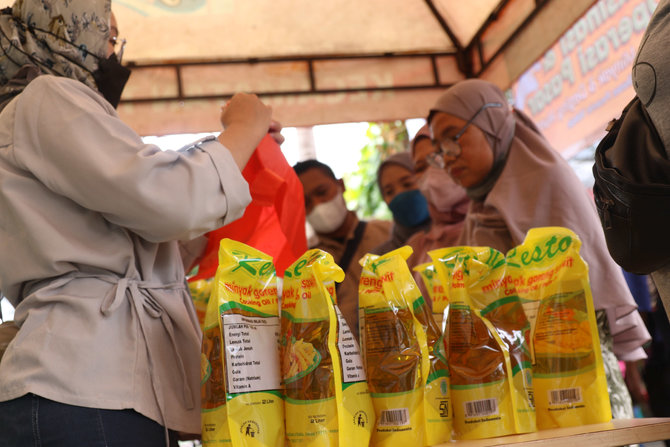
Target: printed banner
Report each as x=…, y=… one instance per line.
x=584, y=80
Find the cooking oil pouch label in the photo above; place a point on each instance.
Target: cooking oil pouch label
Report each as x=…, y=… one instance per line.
x=214, y=413
x=568, y=375
x=251, y=353
x=436, y=292
x=491, y=375
x=352, y=364
x=246, y=293
x=356, y=415
x=327, y=401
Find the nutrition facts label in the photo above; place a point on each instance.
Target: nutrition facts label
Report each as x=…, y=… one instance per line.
x=352, y=365
x=252, y=353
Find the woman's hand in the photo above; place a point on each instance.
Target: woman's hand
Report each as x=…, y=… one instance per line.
x=246, y=120
x=275, y=131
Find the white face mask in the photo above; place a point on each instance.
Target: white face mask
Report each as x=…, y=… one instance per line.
x=328, y=216
x=440, y=189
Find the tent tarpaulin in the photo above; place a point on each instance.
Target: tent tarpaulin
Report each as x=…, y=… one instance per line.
x=318, y=62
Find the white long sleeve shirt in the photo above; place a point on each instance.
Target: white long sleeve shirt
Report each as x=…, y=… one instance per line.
x=89, y=219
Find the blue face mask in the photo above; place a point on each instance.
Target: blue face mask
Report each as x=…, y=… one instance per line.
x=409, y=208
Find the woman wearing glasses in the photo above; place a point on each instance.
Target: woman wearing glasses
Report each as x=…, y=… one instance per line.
x=516, y=182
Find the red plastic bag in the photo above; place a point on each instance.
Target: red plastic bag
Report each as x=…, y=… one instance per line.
x=274, y=221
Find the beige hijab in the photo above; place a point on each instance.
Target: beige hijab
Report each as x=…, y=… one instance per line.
x=535, y=187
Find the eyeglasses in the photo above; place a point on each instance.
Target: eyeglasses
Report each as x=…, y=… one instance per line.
x=448, y=145
x=113, y=40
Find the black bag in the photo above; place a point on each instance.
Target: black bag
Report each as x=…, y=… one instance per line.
x=632, y=191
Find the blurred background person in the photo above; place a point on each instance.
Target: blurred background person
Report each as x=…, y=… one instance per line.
x=399, y=190
x=339, y=230
x=656, y=370
x=649, y=75
x=447, y=202
x=639, y=288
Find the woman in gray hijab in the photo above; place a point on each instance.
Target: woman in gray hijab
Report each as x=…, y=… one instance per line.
x=108, y=347
x=398, y=186
x=516, y=182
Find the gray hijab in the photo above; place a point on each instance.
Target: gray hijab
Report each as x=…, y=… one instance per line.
x=403, y=159
x=463, y=100
x=63, y=38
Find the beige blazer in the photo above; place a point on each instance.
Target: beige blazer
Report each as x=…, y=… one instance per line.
x=89, y=222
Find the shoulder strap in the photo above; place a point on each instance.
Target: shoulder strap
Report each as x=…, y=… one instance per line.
x=352, y=246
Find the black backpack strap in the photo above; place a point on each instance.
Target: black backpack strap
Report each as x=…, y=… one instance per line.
x=350, y=249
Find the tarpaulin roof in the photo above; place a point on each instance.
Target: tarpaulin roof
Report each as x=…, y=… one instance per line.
x=318, y=61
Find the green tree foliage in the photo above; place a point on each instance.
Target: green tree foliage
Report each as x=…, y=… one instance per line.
x=362, y=194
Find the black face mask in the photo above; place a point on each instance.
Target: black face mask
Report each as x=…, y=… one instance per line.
x=110, y=78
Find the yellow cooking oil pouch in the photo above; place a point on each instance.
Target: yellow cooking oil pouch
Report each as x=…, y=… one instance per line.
x=552, y=281
x=436, y=396
x=201, y=290
x=488, y=357
x=327, y=401
x=245, y=292
x=409, y=383
x=214, y=414
x=436, y=292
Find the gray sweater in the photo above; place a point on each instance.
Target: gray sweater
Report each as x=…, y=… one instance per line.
x=651, y=80
x=651, y=71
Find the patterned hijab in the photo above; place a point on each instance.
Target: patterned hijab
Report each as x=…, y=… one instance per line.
x=62, y=38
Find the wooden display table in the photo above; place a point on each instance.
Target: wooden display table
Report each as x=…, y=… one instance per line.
x=618, y=432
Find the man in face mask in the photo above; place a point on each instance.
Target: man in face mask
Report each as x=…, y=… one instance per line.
x=339, y=230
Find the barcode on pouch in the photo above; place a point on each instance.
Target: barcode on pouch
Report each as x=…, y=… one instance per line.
x=484, y=407
x=565, y=396
x=396, y=416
